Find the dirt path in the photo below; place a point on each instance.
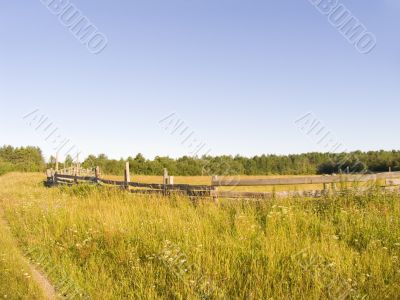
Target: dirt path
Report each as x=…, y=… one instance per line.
x=48, y=289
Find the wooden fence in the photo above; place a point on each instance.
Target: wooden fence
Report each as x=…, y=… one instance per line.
x=75, y=176
x=331, y=183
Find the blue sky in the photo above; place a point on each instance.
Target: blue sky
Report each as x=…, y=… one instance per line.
x=237, y=73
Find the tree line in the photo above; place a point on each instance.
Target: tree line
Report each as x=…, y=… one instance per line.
x=307, y=164
x=30, y=159
x=22, y=159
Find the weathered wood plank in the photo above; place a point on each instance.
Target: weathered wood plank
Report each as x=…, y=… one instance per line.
x=268, y=195
x=64, y=179
x=392, y=179
x=392, y=182
x=302, y=179
x=83, y=178
x=112, y=182
x=127, y=175
x=157, y=186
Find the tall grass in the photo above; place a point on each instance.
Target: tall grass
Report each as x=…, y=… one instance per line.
x=107, y=244
x=15, y=276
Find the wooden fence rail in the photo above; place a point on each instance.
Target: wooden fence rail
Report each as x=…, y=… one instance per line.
x=75, y=175
x=63, y=177
x=304, y=179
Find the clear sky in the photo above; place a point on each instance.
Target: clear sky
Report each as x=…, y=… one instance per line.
x=238, y=73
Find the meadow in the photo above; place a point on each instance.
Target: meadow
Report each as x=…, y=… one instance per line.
x=103, y=243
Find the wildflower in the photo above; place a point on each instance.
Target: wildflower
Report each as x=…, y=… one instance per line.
x=331, y=265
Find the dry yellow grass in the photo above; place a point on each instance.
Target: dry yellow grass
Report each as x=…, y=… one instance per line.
x=16, y=278
x=109, y=244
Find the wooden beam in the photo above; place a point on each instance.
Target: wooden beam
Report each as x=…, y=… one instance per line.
x=302, y=179
x=127, y=175
x=214, y=192
x=97, y=174
x=57, y=162
x=270, y=195
x=392, y=182
x=165, y=181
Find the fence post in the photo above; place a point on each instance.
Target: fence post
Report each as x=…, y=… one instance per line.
x=97, y=174
x=76, y=175
x=334, y=188
x=127, y=175
x=326, y=189
x=57, y=162
x=214, y=191
x=49, y=177
x=165, y=181
x=77, y=165
x=53, y=177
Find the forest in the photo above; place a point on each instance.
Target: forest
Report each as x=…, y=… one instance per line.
x=22, y=159
x=30, y=159
x=308, y=163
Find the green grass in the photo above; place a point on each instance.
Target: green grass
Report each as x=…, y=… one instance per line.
x=15, y=276
x=108, y=244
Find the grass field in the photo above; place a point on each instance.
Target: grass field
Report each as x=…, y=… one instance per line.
x=15, y=275
x=101, y=243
